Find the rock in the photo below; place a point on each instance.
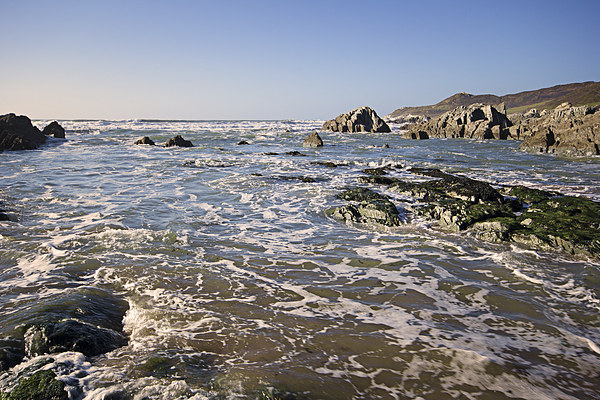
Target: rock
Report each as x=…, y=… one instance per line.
x=242, y=143
x=568, y=131
x=178, y=141
x=12, y=352
x=18, y=133
x=145, y=140
x=42, y=385
x=570, y=224
x=375, y=171
x=418, y=135
x=370, y=208
x=71, y=335
x=477, y=121
x=88, y=320
x=495, y=229
x=536, y=218
x=362, y=119
x=4, y=216
x=329, y=164
x=54, y=129
x=528, y=195
x=294, y=153
x=313, y=140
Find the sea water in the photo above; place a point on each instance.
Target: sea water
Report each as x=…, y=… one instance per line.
x=239, y=286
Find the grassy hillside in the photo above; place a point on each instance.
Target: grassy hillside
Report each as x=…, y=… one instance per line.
x=576, y=93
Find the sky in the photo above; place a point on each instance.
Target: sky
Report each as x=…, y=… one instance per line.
x=269, y=59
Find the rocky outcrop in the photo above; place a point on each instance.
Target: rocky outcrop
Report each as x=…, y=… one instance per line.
x=178, y=141
x=568, y=131
x=368, y=207
x=362, y=119
x=535, y=218
x=477, y=121
x=313, y=140
x=18, y=133
x=55, y=130
x=145, y=140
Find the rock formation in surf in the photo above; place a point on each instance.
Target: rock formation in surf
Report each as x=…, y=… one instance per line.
x=362, y=119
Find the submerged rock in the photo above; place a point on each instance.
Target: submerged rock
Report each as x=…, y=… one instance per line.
x=42, y=385
x=54, y=129
x=295, y=153
x=145, y=140
x=313, y=140
x=369, y=208
x=178, y=141
x=18, y=133
x=362, y=119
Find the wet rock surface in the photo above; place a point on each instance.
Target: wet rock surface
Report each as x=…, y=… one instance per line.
x=368, y=207
x=42, y=385
x=87, y=320
x=535, y=218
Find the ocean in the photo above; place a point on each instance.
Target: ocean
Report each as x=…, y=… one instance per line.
x=236, y=284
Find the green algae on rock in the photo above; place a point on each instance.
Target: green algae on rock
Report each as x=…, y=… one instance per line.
x=533, y=217
x=42, y=385
x=370, y=208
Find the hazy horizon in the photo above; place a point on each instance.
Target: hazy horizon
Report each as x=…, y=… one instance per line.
x=269, y=60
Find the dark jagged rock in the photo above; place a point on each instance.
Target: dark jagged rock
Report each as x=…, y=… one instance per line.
x=476, y=121
x=71, y=335
x=295, y=153
x=370, y=208
x=87, y=320
x=313, y=140
x=145, y=140
x=242, y=143
x=178, y=141
x=362, y=119
x=42, y=385
x=18, y=133
x=54, y=129
x=568, y=131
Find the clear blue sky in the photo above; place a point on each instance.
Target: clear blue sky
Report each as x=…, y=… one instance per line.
x=282, y=59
